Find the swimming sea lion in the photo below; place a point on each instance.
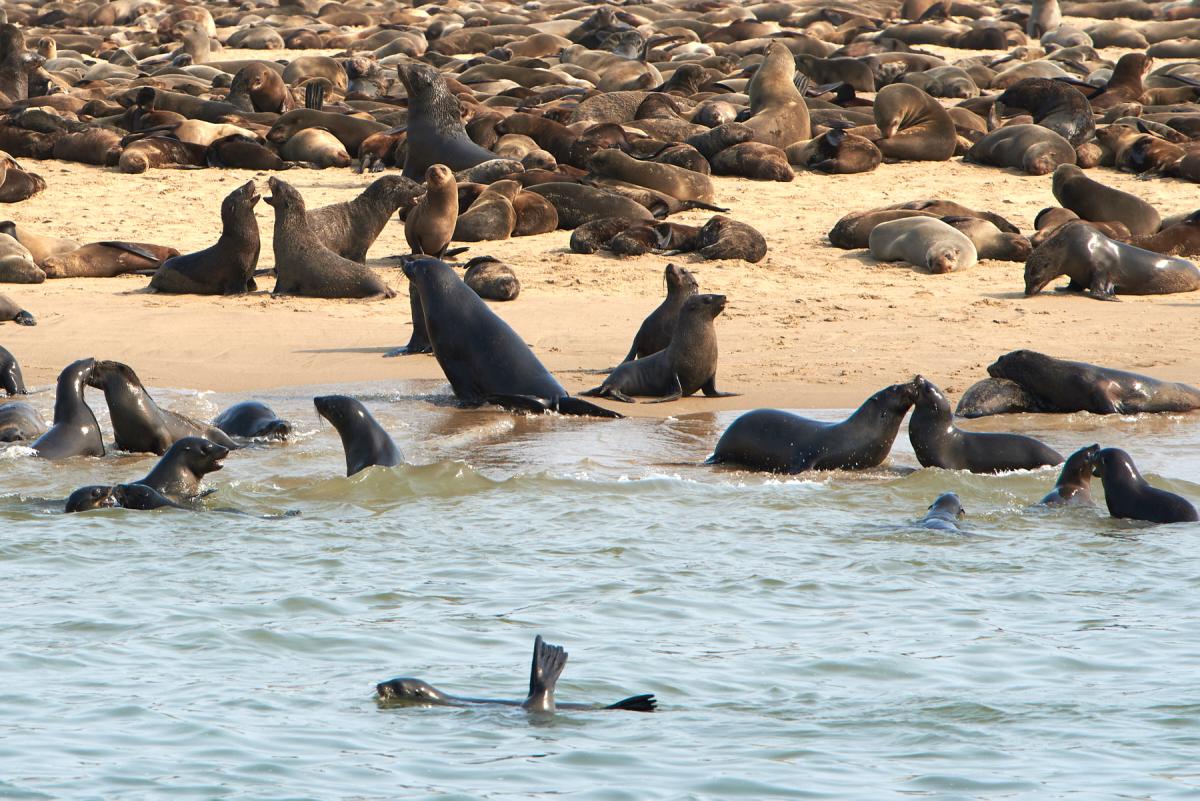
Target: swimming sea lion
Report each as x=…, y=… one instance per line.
x=944, y=514
x=11, y=380
x=75, y=431
x=20, y=422
x=363, y=439
x=1092, y=200
x=178, y=473
x=252, y=420
x=782, y=442
x=548, y=664
x=923, y=242
x=656, y=330
x=937, y=442
x=226, y=268
x=1128, y=495
x=778, y=113
x=1073, y=487
x=435, y=130
x=1035, y=149
x=11, y=310
x=350, y=228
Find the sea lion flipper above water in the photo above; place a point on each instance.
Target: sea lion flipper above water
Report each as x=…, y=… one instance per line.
x=548, y=663
x=636, y=703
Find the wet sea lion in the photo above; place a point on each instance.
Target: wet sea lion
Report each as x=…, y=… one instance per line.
x=20, y=422
x=1128, y=495
x=944, y=514
x=923, y=242
x=937, y=442
x=1074, y=484
x=656, y=330
x=1092, y=200
x=74, y=431
x=225, y=268
x=1104, y=267
x=11, y=380
x=913, y=125
x=435, y=130
x=178, y=473
x=782, y=442
x=94, y=496
x=304, y=265
x=108, y=260
x=686, y=366
x=252, y=420
x=492, y=279
x=350, y=228
x=778, y=113
x=363, y=439
x=548, y=664
x=1035, y=149
x=11, y=310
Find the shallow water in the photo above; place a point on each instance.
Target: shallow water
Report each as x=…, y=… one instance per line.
x=803, y=639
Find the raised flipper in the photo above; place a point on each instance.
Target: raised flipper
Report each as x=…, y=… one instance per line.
x=637, y=703
x=548, y=663
x=132, y=247
x=581, y=408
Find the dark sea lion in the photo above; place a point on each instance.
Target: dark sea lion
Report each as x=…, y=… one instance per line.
x=1104, y=267
x=1055, y=105
x=782, y=442
x=492, y=279
x=712, y=142
x=1035, y=149
x=837, y=153
x=160, y=151
x=482, y=357
x=937, y=442
x=350, y=228
x=923, y=242
x=595, y=235
x=11, y=380
x=435, y=130
x=725, y=238
x=40, y=247
x=240, y=152
x=944, y=514
x=141, y=497
x=778, y=113
x=1074, y=484
x=577, y=204
x=94, y=496
x=253, y=420
x=11, y=310
x=948, y=208
x=304, y=265
x=74, y=431
x=108, y=260
x=363, y=439
x=1128, y=495
x=548, y=664
x=178, y=473
x=225, y=268
x=913, y=125
x=1092, y=200
x=994, y=396
x=686, y=366
x=20, y=422
x=1125, y=85
x=656, y=330
x=753, y=160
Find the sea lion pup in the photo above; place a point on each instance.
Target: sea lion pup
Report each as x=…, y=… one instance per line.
x=160, y=151
x=350, y=228
x=944, y=514
x=74, y=431
x=548, y=663
x=11, y=380
x=1092, y=200
x=491, y=216
x=253, y=420
x=1032, y=148
x=675, y=181
x=687, y=365
x=435, y=130
x=989, y=241
x=20, y=422
x=753, y=160
x=107, y=260
x=94, y=496
x=16, y=263
x=11, y=310
x=938, y=443
x=1074, y=484
x=178, y=473
x=782, y=442
x=923, y=242
x=656, y=330
x=725, y=238
x=913, y=126
x=484, y=360
x=1125, y=85
x=17, y=184
x=316, y=146
x=226, y=268
x=40, y=247
x=1128, y=495
x=303, y=265
x=778, y=113
x=1055, y=105
x=836, y=152
x=139, y=425
x=1104, y=267
x=492, y=279
x=363, y=439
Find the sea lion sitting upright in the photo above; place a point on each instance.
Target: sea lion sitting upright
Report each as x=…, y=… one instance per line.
x=782, y=442
x=11, y=380
x=656, y=330
x=75, y=431
x=304, y=266
x=1044, y=16
x=350, y=228
x=429, y=227
x=435, y=131
x=1092, y=200
x=548, y=663
x=252, y=420
x=778, y=113
x=178, y=473
x=686, y=366
x=913, y=125
x=363, y=439
x=1073, y=487
x=938, y=443
x=944, y=514
x=1127, y=494
x=226, y=268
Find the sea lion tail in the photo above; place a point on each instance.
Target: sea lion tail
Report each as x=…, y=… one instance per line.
x=637, y=703
x=548, y=663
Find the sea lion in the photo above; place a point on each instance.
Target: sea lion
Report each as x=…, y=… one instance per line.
x=548, y=663
x=1055, y=105
x=16, y=263
x=913, y=126
x=1180, y=239
x=238, y=152
x=944, y=514
x=74, y=431
x=492, y=279
x=40, y=247
x=1092, y=200
x=853, y=231
x=482, y=357
x=491, y=216
x=178, y=473
x=108, y=260
x=923, y=242
x=350, y=228
x=1044, y=16
x=686, y=366
x=11, y=380
x=1125, y=85
x=535, y=214
x=989, y=241
x=304, y=265
x=1128, y=495
x=1104, y=267
x=20, y=422
x=1035, y=149
x=937, y=442
x=994, y=396
x=712, y=142
x=430, y=224
x=350, y=131
x=753, y=160
x=11, y=310
x=836, y=152
x=318, y=147
x=94, y=496
x=363, y=439
x=778, y=113
x=577, y=204
x=666, y=178
x=725, y=238
x=1074, y=484
x=253, y=420
x=435, y=130
x=225, y=268
x=160, y=151
x=259, y=87
x=656, y=330
x=782, y=442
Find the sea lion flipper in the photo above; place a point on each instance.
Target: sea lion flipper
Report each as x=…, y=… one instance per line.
x=637, y=703
x=133, y=248
x=581, y=408
x=548, y=663
x=519, y=403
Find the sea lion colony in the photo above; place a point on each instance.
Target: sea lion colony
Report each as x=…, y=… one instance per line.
x=490, y=121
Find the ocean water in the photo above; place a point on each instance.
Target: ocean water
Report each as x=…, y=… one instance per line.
x=803, y=638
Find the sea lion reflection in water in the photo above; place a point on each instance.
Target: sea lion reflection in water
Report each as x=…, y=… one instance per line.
x=548, y=663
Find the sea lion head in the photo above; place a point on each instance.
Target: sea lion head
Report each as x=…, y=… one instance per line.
x=930, y=395
x=139, y=496
x=284, y=196
x=680, y=278
x=948, y=505
x=243, y=198
x=438, y=176
x=198, y=455
x=408, y=690
x=339, y=409
x=943, y=259
x=896, y=399
x=96, y=496
x=707, y=305
x=1079, y=464
x=1114, y=462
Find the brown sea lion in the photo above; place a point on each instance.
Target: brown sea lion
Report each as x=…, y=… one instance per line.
x=923, y=242
x=989, y=241
x=913, y=125
x=492, y=279
x=107, y=260
x=16, y=263
x=668, y=179
x=778, y=113
x=40, y=247
x=1092, y=200
x=836, y=152
x=854, y=229
x=239, y=152
x=350, y=131
x=351, y=227
x=259, y=87
x=1180, y=239
x=1055, y=105
x=1035, y=149
x=577, y=204
x=753, y=160
x=656, y=330
x=160, y=151
x=316, y=146
x=491, y=216
x=535, y=214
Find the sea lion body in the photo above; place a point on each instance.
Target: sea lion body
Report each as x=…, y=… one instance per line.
x=778, y=113
x=923, y=242
x=1055, y=105
x=16, y=263
x=350, y=228
x=435, y=130
x=11, y=310
x=675, y=181
x=913, y=125
x=108, y=260
x=1035, y=149
x=363, y=439
x=1092, y=200
x=1073, y=487
x=1128, y=495
x=20, y=422
x=225, y=268
x=11, y=380
x=178, y=473
x=656, y=330
x=252, y=420
x=74, y=431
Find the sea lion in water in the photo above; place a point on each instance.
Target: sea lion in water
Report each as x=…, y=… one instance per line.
x=11, y=380
x=778, y=113
x=1092, y=200
x=139, y=425
x=913, y=125
x=1128, y=495
x=178, y=473
x=350, y=228
x=482, y=357
x=11, y=310
x=74, y=431
x=1104, y=267
x=686, y=366
x=363, y=439
x=253, y=420
x=548, y=664
x=304, y=266
x=1074, y=484
x=20, y=422
x=656, y=330
x=782, y=442
x=121, y=496
x=1032, y=148
x=226, y=268
x=938, y=443
x=944, y=514
x=108, y=260
x=435, y=131
x=923, y=242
